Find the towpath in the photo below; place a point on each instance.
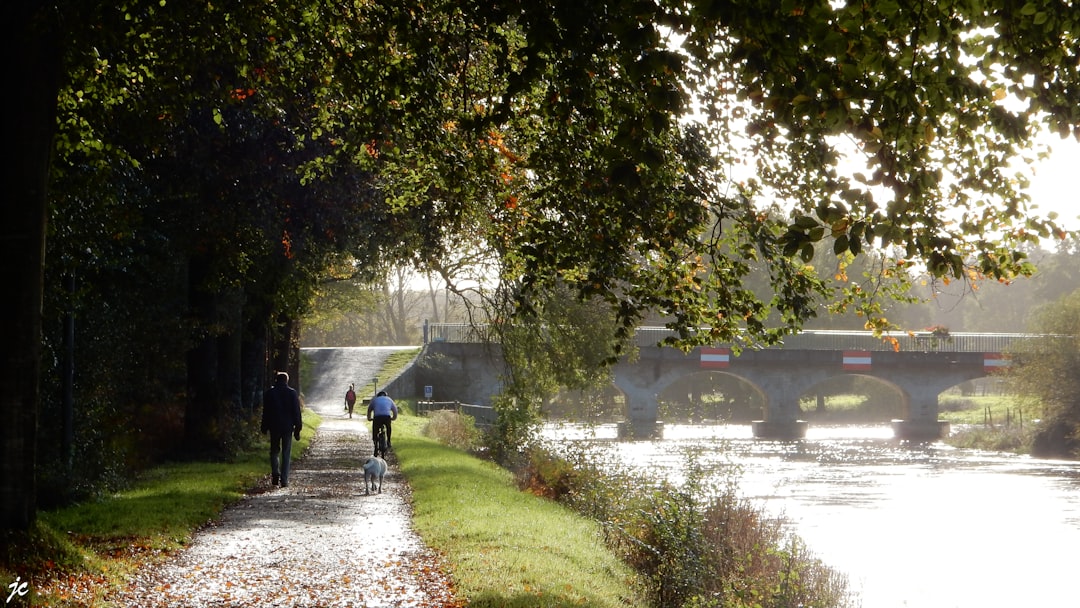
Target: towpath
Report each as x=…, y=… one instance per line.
x=319, y=542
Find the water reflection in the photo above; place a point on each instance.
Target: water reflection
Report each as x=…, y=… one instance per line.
x=922, y=525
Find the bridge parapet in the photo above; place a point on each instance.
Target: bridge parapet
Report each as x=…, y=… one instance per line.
x=836, y=340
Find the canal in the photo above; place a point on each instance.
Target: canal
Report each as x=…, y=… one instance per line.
x=922, y=526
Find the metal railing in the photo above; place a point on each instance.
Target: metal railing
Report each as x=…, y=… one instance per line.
x=483, y=415
x=458, y=333
x=805, y=340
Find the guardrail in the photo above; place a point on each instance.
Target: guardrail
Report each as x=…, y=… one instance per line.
x=804, y=340
x=483, y=415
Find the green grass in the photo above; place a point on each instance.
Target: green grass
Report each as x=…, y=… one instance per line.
x=953, y=407
x=169, y=501
x=397, y=362
x=985, y=409
x=505, y=547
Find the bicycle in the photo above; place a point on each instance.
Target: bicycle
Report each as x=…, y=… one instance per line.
x=382, y=445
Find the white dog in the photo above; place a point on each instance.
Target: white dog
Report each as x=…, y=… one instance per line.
x=374, y=468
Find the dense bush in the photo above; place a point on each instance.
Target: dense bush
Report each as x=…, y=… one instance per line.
x=453, y=429
x=698, y=545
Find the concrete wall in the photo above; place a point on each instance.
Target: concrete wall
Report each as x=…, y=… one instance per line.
x=465, y=372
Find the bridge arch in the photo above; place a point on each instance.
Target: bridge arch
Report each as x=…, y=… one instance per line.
x=876, y=405
x=602, y=405
x=711, y=395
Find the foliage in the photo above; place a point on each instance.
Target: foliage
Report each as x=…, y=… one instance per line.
x=514, y=427
x=562, y=343
x=694, y=544
x=453, y=429
x=979, y=304
x=212, y=162
x=1017, y=439
x=1048, y=368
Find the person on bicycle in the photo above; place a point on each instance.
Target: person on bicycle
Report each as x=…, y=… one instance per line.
x=381, y=411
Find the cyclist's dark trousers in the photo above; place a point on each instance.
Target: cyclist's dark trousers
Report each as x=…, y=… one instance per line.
x=376, y=423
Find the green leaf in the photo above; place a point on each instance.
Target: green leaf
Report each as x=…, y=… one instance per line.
x=840, y=244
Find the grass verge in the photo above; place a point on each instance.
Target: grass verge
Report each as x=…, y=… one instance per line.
x=74, y=555
x=505, y=547
x=397, y=361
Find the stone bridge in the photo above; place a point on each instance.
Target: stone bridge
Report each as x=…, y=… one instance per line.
x=920, y=366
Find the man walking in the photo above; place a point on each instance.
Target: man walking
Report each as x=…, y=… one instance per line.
x=281, y=418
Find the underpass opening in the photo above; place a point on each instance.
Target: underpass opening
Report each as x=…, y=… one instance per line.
x=711, y=397
x=853, y=399
x=594, y=406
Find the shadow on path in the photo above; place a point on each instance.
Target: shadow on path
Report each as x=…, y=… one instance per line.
x=320, y=542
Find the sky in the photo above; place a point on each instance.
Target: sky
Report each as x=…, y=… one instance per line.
x=1055, y=186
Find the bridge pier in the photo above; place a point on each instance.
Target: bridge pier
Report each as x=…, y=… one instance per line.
x=921, y=430
x=641, y=429
x=782, y=431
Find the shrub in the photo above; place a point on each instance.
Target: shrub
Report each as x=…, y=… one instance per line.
x=1000, y=439
x=697, y=545
x=453, y=429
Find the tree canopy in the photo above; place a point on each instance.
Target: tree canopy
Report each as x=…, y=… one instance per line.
x=626, y=151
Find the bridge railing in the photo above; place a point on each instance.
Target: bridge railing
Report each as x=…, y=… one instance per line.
x=483, y=415
x=466, y=333
x=915, y=341
x=805, y=340
x=865, y=340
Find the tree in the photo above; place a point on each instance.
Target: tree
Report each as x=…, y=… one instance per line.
x=30, y=121
x=556, y=137
x=1048, y=369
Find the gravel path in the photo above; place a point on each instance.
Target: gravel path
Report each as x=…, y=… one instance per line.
x=319, y=542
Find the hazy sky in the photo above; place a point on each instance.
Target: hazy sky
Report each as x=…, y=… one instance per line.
x=1055, y=185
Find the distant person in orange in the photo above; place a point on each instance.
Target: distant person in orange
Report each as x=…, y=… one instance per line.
x=282, y=419
x=350, y=399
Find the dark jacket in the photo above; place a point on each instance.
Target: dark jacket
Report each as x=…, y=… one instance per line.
x=281, y=410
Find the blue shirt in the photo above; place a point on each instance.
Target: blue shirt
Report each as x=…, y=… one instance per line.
x=382, y=406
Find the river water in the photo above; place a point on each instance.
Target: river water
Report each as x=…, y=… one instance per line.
x=921, y=526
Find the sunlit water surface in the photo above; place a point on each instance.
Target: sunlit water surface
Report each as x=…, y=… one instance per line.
x=924, y=526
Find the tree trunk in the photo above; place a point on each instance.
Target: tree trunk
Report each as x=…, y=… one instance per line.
x=230, y=353
x=29, y=122
x=67, y=441
x=255, y=363
x=286, y=351
x=202, y=364
x=433, y=294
